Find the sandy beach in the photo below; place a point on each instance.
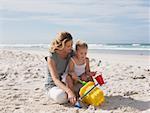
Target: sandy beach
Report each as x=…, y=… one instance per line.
x=23, y=72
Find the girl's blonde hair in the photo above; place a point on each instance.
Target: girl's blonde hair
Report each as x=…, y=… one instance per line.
x=81, y=44
x=59, y=42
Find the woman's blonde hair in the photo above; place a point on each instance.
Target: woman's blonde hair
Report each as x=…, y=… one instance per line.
x=59, y=42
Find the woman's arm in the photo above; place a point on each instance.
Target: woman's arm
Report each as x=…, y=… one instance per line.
x=54, y=75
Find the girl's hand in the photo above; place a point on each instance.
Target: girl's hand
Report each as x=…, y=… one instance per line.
x=92, y=74
x=84, y=77
x=88, y=77
x=75, y=77
x=71, y=97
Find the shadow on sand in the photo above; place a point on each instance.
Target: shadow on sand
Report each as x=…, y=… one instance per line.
x=115, y=102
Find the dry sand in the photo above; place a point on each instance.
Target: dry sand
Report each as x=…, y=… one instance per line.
x=23, y=72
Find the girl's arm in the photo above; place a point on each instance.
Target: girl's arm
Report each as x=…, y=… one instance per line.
x=71, y=70
x=87, y=68
x=54, y=75
x=88, y=73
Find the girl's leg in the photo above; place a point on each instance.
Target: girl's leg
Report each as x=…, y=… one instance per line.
x=74, y=86
x=77, y=87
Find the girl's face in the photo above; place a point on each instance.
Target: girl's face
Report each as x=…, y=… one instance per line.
x=81, y=53
x=68, y=46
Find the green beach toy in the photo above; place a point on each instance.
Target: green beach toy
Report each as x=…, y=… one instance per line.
x=82, y=82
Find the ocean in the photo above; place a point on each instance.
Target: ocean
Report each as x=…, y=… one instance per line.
x=137, y=49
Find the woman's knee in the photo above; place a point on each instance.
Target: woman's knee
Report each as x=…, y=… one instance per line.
x=58, y=95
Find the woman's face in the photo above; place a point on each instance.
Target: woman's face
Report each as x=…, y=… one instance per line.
x=68, y=46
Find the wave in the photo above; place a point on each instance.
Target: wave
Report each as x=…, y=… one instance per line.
x=24, y=45
x=130, y=47
x=120, y=46
x=136, y=45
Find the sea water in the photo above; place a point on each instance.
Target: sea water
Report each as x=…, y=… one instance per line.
x=129, y=48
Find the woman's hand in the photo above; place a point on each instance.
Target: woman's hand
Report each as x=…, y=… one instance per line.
x=71, y=97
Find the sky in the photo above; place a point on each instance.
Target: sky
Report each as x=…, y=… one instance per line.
x=94, y=21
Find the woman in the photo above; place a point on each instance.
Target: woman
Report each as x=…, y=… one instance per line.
x=60, y=54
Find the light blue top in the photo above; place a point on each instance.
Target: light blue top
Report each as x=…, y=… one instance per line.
x=61, y=65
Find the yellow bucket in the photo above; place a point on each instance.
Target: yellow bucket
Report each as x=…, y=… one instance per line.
x=95, y=97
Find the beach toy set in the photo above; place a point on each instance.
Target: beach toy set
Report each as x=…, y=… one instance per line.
x=90, y=93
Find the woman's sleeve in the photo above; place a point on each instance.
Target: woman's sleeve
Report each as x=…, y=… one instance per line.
x=51, y=55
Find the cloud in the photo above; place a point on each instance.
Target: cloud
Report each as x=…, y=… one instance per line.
x=75, y=12
x=97, y=18
x=82, y=9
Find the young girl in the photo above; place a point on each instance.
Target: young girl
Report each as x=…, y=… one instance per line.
x=78, y=67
